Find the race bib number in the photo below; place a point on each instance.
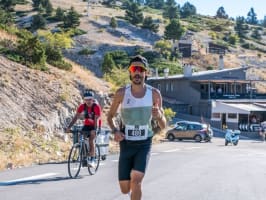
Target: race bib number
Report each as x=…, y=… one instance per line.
x=136, y=132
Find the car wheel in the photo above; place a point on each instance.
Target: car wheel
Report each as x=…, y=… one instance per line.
x=198, y=138
x=235, y=143
x=171, y=137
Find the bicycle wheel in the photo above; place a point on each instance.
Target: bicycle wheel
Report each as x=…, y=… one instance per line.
x=93, y=169
x=74, y=161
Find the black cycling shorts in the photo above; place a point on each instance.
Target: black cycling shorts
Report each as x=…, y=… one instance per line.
x=87, y=130
x=133, y=156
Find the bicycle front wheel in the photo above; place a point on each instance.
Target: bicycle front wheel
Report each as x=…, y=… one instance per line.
x=93, y=169
x=74, y=161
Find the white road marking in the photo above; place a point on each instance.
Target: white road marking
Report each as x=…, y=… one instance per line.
x=154, y=154
x=188, y=148
x=32, y=177
x=171, y=150
x=114, y=160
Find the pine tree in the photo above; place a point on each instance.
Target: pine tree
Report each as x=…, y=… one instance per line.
x=134, y=14
x=148, y=24
x=49, y=8
x=71, y=20
x=38, y=22
x=174, y=30
x=108, y=63
x=221, y=13
x=239, y=27
x=252, y=17
x=59, y=14
x=6, y=18
x=7, y=5
x=113, y=23
x=187, y=10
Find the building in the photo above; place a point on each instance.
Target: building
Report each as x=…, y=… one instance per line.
x=223, y=96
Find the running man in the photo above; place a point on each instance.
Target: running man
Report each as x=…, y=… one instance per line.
x=140, y=103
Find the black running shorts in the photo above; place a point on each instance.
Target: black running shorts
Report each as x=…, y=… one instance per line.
x=133, y=156
x=87, y=130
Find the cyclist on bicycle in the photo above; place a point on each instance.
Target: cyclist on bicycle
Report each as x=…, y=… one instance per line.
x=90, y=112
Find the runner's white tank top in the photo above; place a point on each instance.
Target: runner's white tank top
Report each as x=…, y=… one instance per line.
x=137, y=111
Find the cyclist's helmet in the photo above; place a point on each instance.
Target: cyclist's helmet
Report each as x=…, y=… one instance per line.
x=88, y=94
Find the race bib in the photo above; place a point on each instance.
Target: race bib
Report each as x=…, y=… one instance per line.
x=136, y=132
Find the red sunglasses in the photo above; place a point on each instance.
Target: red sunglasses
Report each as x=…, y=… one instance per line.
x=137, y=68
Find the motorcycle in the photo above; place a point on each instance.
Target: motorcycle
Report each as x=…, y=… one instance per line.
x=232, y=136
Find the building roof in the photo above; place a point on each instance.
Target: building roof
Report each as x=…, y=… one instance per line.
x=248, y=107
x=196, y=74
x=242, y=108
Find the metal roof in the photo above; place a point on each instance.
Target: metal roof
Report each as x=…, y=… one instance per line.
x=195, y=74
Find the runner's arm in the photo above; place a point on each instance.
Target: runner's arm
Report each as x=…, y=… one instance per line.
x=159, y=114
x=117, y=99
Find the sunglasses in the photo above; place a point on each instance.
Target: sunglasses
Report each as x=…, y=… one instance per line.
x=137, y=68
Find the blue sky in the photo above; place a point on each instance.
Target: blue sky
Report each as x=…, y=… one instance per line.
x=233, y=8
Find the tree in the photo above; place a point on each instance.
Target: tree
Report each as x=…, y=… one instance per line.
x=221, y=13
x=148, y=24
x=170, y=3
x=252, y=17
x=108, y=63
x=164, y=47
x=239, y=27
x=187, y=10
x=31, y=49
x=171, y=12
x=157, y=4
x=174, y=30
x=36, y=4
x=59, y=14
x=264, y=22
x=7, y=5
x=71, y=20
x=6, y=18
x=38, y=22
x=49, y=8
x=134, y=14
x=113, y=23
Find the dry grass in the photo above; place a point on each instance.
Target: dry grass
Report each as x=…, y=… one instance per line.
x=88, y=78
x=23, y=149
x=7, y=36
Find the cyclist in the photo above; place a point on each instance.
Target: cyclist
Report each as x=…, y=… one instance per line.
x=140, y=103
x=90, y=112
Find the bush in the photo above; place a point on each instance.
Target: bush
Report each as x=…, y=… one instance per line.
x=169, y=114
x=61, y=65
x=53, y=54
x=86, y=52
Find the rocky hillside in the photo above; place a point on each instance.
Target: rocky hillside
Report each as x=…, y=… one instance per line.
x=34, y=106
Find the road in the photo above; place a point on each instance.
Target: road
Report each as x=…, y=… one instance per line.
x=177, y=171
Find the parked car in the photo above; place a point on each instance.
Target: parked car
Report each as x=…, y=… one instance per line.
x=190, y=130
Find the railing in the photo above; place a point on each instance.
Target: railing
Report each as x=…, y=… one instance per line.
x=233, y=96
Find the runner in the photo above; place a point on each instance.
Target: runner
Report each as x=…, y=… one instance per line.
x=140, y=103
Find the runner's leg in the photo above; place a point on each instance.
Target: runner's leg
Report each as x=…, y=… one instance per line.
x=135, y=184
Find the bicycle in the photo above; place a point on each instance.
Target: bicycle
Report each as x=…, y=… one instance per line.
x=78, y=155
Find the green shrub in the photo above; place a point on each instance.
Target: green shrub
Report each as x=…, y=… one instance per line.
x=61, y=65
x=86, y=51
x=169, y=114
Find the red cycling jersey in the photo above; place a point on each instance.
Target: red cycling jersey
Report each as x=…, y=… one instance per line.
x=90, y=120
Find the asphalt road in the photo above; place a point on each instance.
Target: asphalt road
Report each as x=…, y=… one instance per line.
x=177, y=171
